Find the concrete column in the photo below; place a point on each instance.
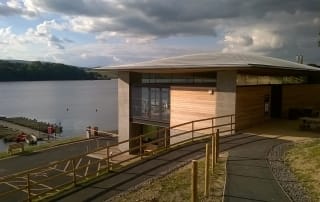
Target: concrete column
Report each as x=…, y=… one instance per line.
x=226, y=94
x=124, y=109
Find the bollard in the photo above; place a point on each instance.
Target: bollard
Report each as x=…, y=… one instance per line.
x=194, y=176
x=206, y=172
x=88, y=132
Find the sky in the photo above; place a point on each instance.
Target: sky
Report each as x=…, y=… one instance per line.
x=91, y=33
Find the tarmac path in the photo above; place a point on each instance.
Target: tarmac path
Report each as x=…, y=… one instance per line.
x=249, y=178
x=36, y=159
x=264, y=188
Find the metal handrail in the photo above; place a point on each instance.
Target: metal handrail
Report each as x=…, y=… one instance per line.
x=110, y=156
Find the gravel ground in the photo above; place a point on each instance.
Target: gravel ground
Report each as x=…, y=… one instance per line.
x=285, y=177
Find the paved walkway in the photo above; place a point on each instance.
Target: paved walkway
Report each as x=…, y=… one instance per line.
x=262, y=178
x=249, y=177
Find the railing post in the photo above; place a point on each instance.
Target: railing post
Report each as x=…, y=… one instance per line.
x=140, y=147
x=29, y=187
x=234, y=124
x=231, y=124
x=213, y=151
x=194, y=183
x=74, y=173
x=212, y=125
x=206, y=171
x=108, y=159
x=217, y=145
x=192, y=133
x=165, y=138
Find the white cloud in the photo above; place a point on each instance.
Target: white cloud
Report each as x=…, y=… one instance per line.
x=16, y=7
x=15, y=4
x=256, y=40
x=33, y=43
x=127, y=31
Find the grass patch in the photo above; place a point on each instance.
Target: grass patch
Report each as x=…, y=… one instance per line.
x=28, y=149
x=177, y=185
x=6, y=132
x=31, y=123
x=304, y=160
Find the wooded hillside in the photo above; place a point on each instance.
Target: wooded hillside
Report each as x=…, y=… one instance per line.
x=42, y=71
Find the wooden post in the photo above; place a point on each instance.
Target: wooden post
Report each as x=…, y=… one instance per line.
x=165, y=138
x=74, y=173
x=97, y=141
x=140, y=140
x=194, y=183
x=192, y=133
x=231, y=124
x=213, y=151
x=217, y=145
x=206, y=171
x=29, y=187
x=212, y=125
x=108, y=159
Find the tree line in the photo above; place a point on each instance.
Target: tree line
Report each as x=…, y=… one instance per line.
x=43, y=71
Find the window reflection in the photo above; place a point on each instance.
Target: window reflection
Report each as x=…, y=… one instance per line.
x=150, y=103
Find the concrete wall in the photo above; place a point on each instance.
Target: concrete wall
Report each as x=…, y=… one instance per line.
x=226, y=96
x=226, y=93
x=124, y=109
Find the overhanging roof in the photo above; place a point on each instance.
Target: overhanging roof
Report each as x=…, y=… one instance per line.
x=214, y=62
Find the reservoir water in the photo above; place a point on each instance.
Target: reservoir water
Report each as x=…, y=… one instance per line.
x=74, y=104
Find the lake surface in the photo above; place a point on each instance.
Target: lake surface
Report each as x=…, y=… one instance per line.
x=74, y=104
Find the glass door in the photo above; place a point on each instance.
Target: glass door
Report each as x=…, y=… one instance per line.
x=155, y=100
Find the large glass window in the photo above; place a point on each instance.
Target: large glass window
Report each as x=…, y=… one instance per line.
x=150, y=103
x=150, y=93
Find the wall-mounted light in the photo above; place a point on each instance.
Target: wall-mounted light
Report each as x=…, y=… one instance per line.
x=211, y=91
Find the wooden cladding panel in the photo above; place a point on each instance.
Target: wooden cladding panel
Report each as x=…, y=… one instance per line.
x=300, y=96
x=250, y=105
x=191, y=103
